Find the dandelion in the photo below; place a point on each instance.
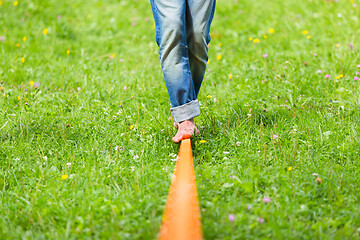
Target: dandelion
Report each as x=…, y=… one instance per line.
x=305, y=32
x=230, y=76
x=45, y=31
x=231, y=217
x=265, y=55
x=256, y=40
x=340, y=76
x=275, y=137
x=16, y=3
x=22, y=59
x=131, y=127
x=308, y=36
x=68, y=52
x=218, y=57
x=220, y=44
x=250, y=39
x=271, y=30
x=265, y=36
x=327, y=76
x=64, y=177
x=202, y=141
x=18, y=45
x=356, y=78
x=24, y=39
x=289, y=169
x=31, y=83
x=337, y=45
x=209, y=96
x=266, y=200
x=260, y=220
x=19, y=98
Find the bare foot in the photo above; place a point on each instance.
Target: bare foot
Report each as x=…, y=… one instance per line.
x=186, y=129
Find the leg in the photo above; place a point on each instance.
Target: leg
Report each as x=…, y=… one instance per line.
x=199, y=15
x=171, y=36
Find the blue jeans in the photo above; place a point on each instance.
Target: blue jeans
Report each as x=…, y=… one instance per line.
x=182, y=34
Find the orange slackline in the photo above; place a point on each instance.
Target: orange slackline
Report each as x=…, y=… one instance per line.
x=181, y=220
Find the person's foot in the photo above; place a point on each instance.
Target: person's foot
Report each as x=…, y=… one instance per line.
x=186, y=129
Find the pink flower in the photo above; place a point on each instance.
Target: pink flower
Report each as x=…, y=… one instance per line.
x=358, y=66
x=260, y=220
x=357, y=73
x=266, y=200
x=133, y=24
x=315, y=54
x=327, y=76
x=59, y=17
x=275, y=137
x=2, y=38
x=265, y=55
x=248, y=208
x=351, y=46
x=356, y=78
x=231, y=217
x=79, y=88
x=125, y=88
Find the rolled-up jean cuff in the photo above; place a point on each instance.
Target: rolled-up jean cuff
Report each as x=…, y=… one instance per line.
x=186, y=111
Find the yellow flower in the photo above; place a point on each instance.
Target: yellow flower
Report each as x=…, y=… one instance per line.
x=1, y=3
x=289, y=169
x=68, y=52
x=24, y=39
x=230, y=76
x=202, y=141
x=337, y=45
x=305, y=32
x=265, y=36
x=250, y=39
x=22, y=59
x=45, y=31
x=18, y=45
x=209, y=96
x=19, y=98
x=220, y=44
x=64, y=177
x=131, y=127
x=256, y=40
x=218, y=57
x=308, y=36
x=271, y=30
x=340, y=76
x=31, y=83
x=16, y=3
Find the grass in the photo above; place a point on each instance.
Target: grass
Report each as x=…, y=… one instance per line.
x=87, y=101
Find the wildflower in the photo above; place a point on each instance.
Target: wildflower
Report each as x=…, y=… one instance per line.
x=22, y=59
x=16, y=3
x=64, y=177
x=230, y=76
x=337, y=45
x=2, y=38
x=318, y=180
x=218, y=57
x=18, y=45
x=340, y=76
x=31, y=83
x=358, y=66
x=271, y=30
x=215, y=100
x=265, y=55
x=289, y=169
x=136, y=157
x=275, y=137
x=68, y=164
x=356, y=78
x=202, y=141
x=19, y=98
x=131, y=127
x=305, y=32
x=125, y=88
x=231, y=217
x=308, y=36
x=319, y=71
x=266, y=200
x=248, y=208
x=351, y=46
x=24, y=39
x=220, y=44
x=250, y=39
x=315, y=54
x=260, y=220
x=265, y=36
x=45, y=31
x=209, y=96
x=132, y=168
x=68, y=52
x=315, y=174
x=256, y=40
x=328, y=76
x=238, y=144
x=58, y=17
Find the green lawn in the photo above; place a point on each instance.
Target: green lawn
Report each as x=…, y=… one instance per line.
x=82, y=98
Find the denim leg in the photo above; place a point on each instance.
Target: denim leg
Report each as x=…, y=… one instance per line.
x=199, y=16
x=172, y=37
